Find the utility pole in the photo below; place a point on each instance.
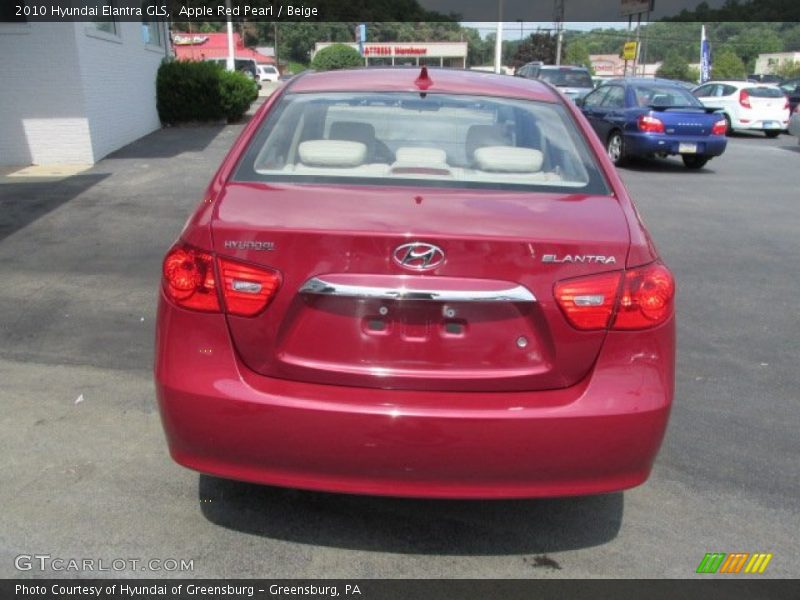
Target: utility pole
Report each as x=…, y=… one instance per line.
x=558, y=17
x=498, y=42
x=230, y=63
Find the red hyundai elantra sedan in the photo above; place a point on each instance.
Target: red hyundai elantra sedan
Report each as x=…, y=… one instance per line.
x=417, y=283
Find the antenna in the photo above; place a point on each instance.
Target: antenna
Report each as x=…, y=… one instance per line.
x=423, y=82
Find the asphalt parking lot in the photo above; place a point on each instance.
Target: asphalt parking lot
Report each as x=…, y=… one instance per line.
x=85, y=468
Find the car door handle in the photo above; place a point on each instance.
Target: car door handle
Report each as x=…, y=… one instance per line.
x=417, y=291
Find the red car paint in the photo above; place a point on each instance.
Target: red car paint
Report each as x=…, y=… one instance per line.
x=416, y=397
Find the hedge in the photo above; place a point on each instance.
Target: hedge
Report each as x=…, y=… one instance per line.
x=337, y=56
x=201, y=91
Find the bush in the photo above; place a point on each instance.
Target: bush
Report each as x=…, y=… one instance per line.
x=338, y=56
x=201, y=91
x=237, y=93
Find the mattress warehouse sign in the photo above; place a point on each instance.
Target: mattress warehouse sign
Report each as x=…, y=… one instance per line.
x=385, y=50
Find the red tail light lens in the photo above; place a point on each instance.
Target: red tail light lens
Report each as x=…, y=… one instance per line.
x=642, y=298
x=247, y=290
x=650, y=124
x=588, y=302
x=787, y=106
x=188, y=279
x=647, y=297
x=719, y=128
x=744, y=99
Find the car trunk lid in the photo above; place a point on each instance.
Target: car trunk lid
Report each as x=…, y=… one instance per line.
x=480, y=317
x=689, y=120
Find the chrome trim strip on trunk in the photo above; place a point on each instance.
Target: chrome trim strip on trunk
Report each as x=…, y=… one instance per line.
x=319, y=286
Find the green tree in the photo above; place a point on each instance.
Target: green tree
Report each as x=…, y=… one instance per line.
x=537, y=46
x=577, y=53
x=754, y=41
x=338, y=56
x=726, y=64
x=674, y=67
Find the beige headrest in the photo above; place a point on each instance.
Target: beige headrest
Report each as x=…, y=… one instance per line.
x=332, y=153
x=509, y=159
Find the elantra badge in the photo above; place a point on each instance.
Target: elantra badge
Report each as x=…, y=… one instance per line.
x=418, y=256
x=579, y=258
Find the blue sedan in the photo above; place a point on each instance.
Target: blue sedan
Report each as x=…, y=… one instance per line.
x=654, y=117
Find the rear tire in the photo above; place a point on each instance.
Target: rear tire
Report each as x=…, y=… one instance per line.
x=692, y=161
x=772, y=134
x=615, y=148
x=728, y=128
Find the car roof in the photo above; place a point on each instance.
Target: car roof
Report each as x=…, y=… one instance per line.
x=402, y=79
x=741, y=83
x=643, y=81
x=565, y=67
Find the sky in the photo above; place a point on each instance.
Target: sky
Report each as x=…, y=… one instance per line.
x=511, y=30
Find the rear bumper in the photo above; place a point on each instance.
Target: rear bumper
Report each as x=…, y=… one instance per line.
x=599, y=435
x=640, y=144
x=770, y=123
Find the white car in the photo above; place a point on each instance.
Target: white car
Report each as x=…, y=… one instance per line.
x=268, y=73
x=747, y=105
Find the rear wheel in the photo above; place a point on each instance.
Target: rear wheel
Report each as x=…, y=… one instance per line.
x=772, y=134
x=728, y=128
x=692, y=161
x=615, y=148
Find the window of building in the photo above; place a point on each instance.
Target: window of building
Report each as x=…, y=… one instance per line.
x=152, y=32
x=103, y=23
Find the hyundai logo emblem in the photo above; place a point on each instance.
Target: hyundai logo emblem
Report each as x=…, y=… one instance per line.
x=418, y=256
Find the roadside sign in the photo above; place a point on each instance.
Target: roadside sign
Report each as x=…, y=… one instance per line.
x=635, y=7
x=629, y=51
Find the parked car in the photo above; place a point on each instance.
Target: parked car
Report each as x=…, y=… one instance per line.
x=268, y=73
x=746, y=105
x=529, y=70
x=244, y=65
x=652, y=117
x=765, y=78
x=794, y=123
x=792, y=90
x=332, y=318
x=575, y=82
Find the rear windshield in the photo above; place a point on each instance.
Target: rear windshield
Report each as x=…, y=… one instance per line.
x=664, y=95
x=409, y=138
x=566, y=78
x=764, y=92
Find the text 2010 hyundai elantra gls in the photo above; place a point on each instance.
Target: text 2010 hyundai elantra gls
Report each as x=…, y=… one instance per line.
x=417, y=283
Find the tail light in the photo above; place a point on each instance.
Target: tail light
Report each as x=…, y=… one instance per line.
x=650, y=124
x=588, y=302
x=647, y=297
x=719, y=128
x=189, y=281
x=635, y=299
x=744, y=99
x=247, y=290
x=787, y=106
